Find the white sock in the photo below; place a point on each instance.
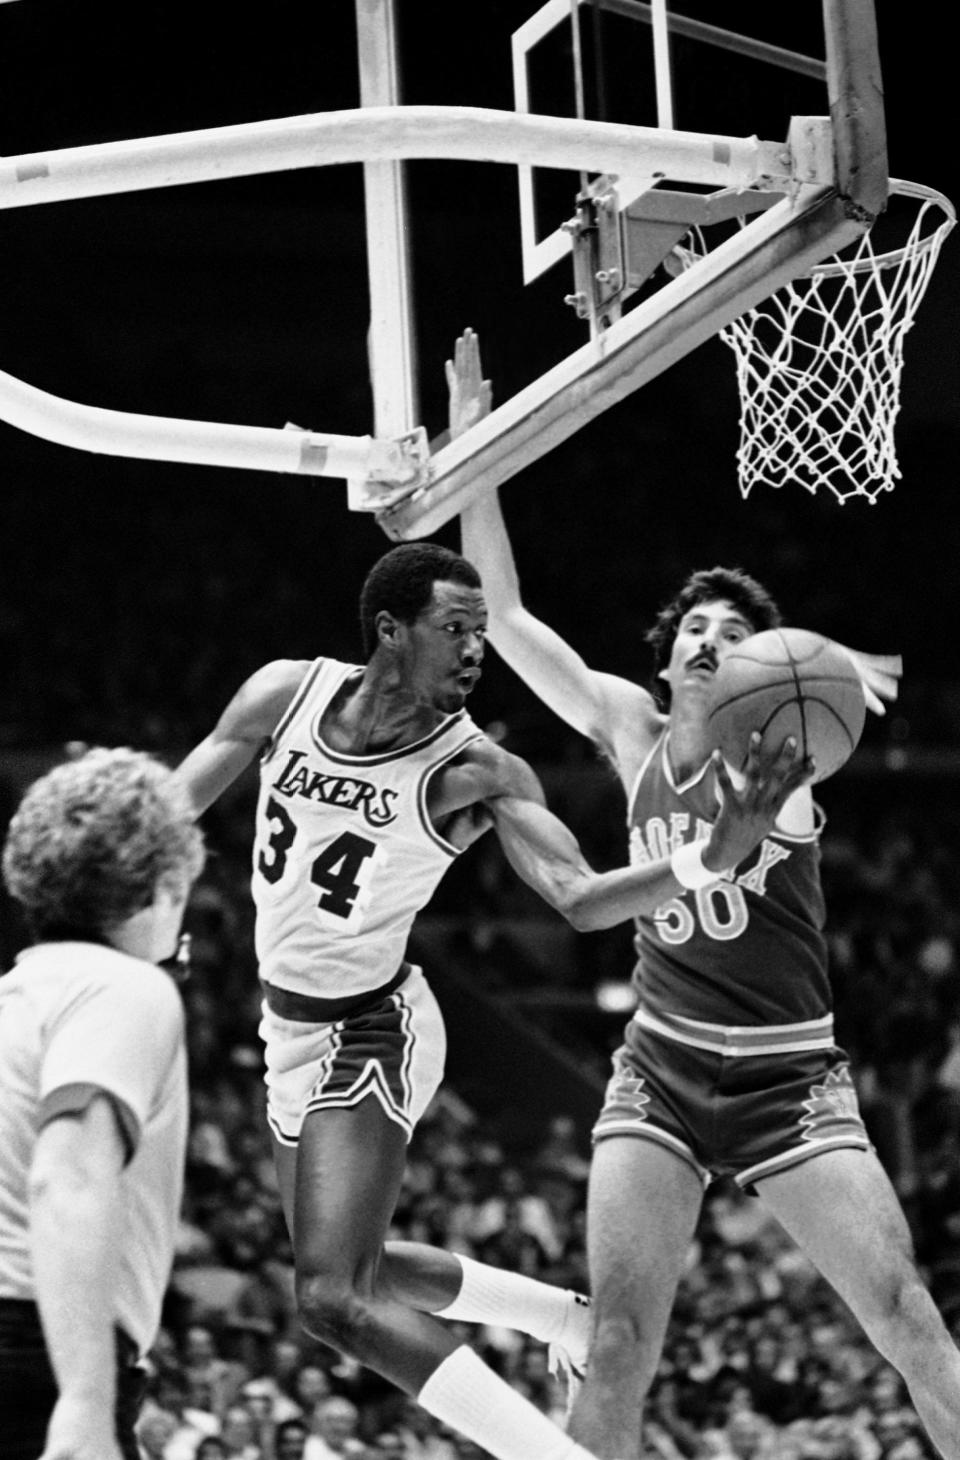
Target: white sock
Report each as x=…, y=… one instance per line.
x=464, y=1394
x=510, y=1300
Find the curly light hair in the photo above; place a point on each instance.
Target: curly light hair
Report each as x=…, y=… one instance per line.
x=92, y=840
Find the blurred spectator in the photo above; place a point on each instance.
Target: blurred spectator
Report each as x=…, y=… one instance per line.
x=422, y=1437
x=387, y=1445
x=311, y=1384
x=746, y=1436
x=513, y=1203
x=163, y=1359
x=665, y=1414
x=560, y=1152
x=212, y=1382
x=334, y=1425
x=211, y=1447
x=167, y=1395
x=513, y=1245
x=290, y=1438
x=256, y=1397
x=283, y=1361
x=265, y=1393
x=531, y=1374
x=771, y=1391
x=239, y=1434
x=155, y=1429
x=201, y=1410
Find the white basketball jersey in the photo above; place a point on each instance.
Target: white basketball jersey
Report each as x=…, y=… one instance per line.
x=345, y=855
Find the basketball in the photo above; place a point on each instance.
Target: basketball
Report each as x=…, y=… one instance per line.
x=788, y=682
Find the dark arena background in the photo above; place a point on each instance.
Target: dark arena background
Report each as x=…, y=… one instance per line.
x=136, y=596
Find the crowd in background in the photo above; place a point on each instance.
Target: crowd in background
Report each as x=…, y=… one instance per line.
x=762, y=1360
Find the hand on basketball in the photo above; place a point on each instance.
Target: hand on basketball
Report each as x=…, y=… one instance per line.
x=879, y=675
x=749, y=811
x=470, y=394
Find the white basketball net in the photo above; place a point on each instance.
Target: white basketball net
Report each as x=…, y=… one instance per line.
x=819, y=362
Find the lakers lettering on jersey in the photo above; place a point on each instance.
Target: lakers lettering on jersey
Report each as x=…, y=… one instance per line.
x=345, y=854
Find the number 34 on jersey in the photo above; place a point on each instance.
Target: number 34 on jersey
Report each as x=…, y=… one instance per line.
x=336, y=871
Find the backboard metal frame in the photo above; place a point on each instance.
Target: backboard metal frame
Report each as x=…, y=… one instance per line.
x=392, y=340
x=838, y=186
x=842, y=161
x=785, y=241
x=831, y=195
x=539, y=254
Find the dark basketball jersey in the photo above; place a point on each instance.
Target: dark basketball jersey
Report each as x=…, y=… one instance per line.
x=748, y=950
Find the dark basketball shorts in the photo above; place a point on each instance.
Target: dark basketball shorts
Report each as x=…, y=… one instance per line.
x=743, y=1116
x=391, y=1046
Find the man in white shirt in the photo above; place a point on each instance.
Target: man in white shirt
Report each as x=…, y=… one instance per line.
x=101, y=855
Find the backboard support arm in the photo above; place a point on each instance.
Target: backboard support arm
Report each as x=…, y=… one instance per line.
x=391, y=342
x=687, y=311
x=818, y=216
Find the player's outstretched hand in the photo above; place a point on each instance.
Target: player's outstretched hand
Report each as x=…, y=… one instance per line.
x=879, y=675
x=470, y=394
x=749, y=811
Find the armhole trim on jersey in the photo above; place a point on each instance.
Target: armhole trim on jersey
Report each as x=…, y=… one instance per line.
x=644, y=766
x=294, y=707
x=425, y=777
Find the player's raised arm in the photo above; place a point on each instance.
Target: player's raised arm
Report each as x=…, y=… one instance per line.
x=242, y=731
x=593, y=703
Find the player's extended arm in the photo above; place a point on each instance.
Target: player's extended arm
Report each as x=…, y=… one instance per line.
x=589, y=701
x=75, y=1216
x=241, y=732
x=545, y=853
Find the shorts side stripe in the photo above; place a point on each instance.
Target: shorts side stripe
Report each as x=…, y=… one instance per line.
x=280, y=1133
x=409, y=1041
x=850, y=1141
x=370, y=1081
x=605, y=1128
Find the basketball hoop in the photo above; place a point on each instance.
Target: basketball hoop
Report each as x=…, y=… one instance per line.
x=819, y=362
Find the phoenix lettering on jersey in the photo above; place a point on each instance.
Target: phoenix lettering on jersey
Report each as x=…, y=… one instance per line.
x=658, y=839
x=297, y=779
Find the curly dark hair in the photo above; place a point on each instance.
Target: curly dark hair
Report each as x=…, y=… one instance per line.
x=401, y=582
x=708, y=585
x=92, y=839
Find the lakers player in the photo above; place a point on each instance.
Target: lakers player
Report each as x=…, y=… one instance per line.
x=373, y=779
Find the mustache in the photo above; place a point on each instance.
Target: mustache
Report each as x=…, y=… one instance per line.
x=703, y=657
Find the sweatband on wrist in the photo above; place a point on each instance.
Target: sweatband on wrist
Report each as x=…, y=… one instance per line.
x=686, y=864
